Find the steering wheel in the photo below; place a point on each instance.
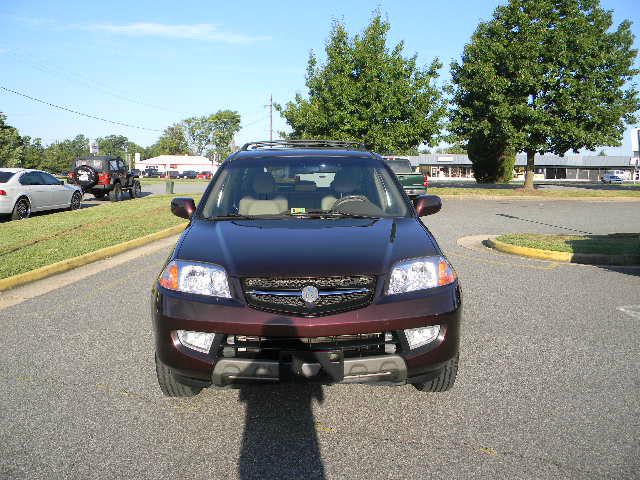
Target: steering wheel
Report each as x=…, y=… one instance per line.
x=348, y=199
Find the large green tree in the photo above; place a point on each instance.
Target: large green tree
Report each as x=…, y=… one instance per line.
x=11, y=144
x=368, y=92
x=172, y=142
x=548, y=76
x=59, y=156
x=212, y=134
x=32, y=153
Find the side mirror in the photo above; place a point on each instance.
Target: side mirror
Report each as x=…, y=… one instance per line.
x=60, y=182
x=427, y=205
x=183, y=207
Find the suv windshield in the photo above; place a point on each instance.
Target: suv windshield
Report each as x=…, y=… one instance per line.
x=304, y=186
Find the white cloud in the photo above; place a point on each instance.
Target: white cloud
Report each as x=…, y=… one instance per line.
x=199, y=31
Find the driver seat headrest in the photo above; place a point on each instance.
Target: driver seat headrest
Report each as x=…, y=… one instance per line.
x=263, y=183
x=344, y=182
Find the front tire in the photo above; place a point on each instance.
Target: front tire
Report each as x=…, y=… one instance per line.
x=21, y=210
x=445, y=379
x=115, y=195
x=170, y=386
x=76, y=201
x=134, y=192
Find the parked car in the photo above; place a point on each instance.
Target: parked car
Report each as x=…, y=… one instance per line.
x=23, y=191
x=611, y=178
x=104, y=175
x=205, y=175
x=414, y=184
x=328, y=284
x=623, y=174
x=190, y=174
x=151, y=173
x=170, y=174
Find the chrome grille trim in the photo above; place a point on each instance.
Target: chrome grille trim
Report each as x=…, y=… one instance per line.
x=284, y=294
x=325, y=293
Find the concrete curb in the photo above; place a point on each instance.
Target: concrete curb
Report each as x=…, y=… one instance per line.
x=583, y=258
x=70, y=263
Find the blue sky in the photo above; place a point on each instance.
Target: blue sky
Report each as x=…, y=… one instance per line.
x=154, y=63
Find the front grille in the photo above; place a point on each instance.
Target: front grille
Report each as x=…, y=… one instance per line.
x=353, y=346
x=284, y=295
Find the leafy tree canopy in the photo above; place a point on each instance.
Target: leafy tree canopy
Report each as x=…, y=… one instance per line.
x=368, y=92
x=11, y=144
x=213, y=134
x=549, y=76
x=172, y=142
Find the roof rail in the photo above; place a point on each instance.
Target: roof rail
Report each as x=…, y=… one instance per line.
x=312, y=144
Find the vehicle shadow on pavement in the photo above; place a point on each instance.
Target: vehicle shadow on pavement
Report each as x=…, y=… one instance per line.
x=280, y=439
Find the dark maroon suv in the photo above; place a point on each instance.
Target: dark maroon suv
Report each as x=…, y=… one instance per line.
x=306, y=262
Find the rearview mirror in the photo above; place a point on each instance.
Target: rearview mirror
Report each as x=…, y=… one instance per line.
x=427, y=205
x=183, y=207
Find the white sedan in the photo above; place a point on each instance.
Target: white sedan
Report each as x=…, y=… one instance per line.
x=611, y=178
x=23, y=191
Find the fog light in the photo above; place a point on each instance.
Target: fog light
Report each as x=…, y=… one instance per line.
x=417, y=337
x=200, y=341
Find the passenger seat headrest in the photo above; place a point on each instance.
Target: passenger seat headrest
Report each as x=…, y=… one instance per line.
x=263, y=183
x=344, y=182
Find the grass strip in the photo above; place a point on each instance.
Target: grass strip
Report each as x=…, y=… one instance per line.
x=510, y=191
x=45, y=239
x=614, y=244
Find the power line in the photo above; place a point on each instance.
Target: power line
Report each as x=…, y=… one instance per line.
x=254, y=122
x=79, y=113
x=86, y=82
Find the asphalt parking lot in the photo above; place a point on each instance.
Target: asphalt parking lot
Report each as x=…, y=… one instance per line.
x=548, y=387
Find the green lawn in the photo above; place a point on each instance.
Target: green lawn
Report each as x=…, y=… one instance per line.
x=616, y=244
x=515, y=191
x=45, y=239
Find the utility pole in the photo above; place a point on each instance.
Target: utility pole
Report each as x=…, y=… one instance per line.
x=270, y=105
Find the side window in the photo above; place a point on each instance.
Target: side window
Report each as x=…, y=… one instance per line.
x=113, y=165
x=121, y=166
x=31, y=178
x=49, y=179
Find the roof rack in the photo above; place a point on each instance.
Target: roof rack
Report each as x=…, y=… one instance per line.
x=312, y=144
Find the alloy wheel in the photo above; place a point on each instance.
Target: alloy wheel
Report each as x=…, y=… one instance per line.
x=23, y=209
x=76, y=201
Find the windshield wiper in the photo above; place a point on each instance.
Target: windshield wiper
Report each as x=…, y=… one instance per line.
x=237, y=216
x=330, y=213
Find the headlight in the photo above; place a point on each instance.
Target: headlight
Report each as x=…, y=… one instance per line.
x=420, y=274
x=195, y=277
x=200, y=341
x=417, y=337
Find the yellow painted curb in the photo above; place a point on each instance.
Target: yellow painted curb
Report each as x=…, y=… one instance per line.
x=530, y=252
x=627, y=260
x=70, y=263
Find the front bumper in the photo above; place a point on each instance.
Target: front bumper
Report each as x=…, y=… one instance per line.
x=389, y=369
x=173, y=311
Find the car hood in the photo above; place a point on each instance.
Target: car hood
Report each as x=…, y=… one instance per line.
x=305, y=247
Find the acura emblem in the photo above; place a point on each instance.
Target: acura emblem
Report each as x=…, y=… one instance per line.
x=310, y=294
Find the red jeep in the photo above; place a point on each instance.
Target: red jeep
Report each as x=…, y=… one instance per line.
x=104, y=175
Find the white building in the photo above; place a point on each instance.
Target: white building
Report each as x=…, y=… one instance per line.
x=181, y=163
